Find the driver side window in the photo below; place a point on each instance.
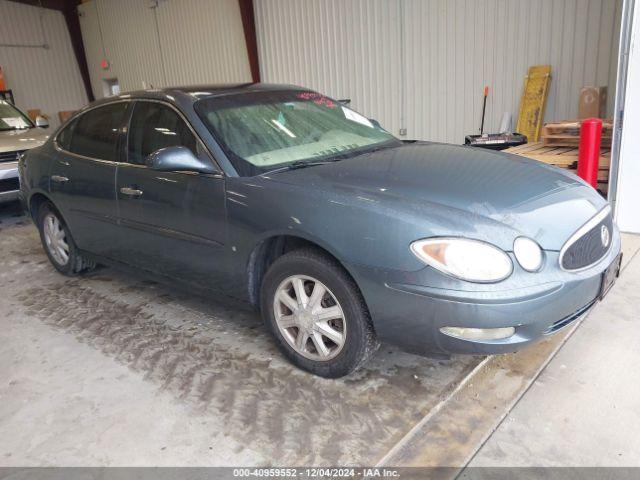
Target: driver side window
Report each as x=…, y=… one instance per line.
x=155, y=126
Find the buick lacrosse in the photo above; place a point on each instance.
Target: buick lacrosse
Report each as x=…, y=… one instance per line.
x=339, y=233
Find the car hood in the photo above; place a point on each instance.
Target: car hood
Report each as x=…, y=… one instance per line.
x=25, y=139
x=526, y=196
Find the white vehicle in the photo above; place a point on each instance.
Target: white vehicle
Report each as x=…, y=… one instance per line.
x=17, y=134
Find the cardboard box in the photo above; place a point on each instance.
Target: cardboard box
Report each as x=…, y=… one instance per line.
x=592, y=102
x=65, y=114
x=33, y=114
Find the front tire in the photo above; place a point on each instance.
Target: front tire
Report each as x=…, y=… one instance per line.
x=317, y=314
x=58, y=243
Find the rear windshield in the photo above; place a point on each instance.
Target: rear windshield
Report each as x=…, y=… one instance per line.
x=262, y=131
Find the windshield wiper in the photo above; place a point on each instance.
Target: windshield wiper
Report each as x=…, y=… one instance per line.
x=299, y=164
x=378, y=148
x=335, y=157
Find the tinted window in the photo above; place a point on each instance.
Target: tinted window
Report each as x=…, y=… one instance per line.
x=64, y=137
x=96, y=132
x=155, y=126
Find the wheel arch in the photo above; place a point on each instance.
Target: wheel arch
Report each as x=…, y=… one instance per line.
x=35, y=202
x=36, y=199
x=270, y=248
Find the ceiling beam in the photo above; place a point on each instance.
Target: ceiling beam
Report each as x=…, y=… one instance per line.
x=250, y=37
x=51, y=4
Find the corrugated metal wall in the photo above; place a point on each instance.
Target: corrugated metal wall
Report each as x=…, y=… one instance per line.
x=162, y=43
x=456, y=47
x=343, y=48
x=124, y=33
x=45, y=79
x=202, y=41
x=451, y=50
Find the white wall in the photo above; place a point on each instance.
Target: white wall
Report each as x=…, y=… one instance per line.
x=451, y=50
x=628, y=194
x=164, y=43
x=45, y=79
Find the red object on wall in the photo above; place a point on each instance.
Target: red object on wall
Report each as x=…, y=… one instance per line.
x=589, y=151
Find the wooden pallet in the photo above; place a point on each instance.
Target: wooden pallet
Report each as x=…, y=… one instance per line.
x=567, y=133
x=563, y=157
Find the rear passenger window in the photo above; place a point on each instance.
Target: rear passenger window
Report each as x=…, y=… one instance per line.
x=95, y=134
x=64, y=137
x=155, y=126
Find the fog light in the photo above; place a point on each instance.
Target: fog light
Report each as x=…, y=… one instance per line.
x=479, y=333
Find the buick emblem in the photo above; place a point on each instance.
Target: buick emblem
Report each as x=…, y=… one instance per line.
x=604, y=236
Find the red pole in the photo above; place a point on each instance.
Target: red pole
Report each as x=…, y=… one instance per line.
x=589, y=151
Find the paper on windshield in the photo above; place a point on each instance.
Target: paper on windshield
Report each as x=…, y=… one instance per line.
x=15, y=122
x=356, y=117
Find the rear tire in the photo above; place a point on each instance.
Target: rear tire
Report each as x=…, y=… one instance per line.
x=58, y=243
x=316, y=313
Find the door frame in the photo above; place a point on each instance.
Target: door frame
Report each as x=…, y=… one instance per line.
x=626, y=30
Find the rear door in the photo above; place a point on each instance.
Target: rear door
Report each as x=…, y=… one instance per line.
x=82, y=176
x=172, y=223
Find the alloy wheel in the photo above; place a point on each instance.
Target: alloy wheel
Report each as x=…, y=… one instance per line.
x=310, y=318
x=56, y=239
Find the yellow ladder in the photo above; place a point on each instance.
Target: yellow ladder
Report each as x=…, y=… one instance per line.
x=534, y=96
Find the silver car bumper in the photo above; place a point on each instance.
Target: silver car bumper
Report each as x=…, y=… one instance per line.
x=8, y=182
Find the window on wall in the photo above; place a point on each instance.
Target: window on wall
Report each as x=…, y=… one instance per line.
x=155, y=126
x=96, y=132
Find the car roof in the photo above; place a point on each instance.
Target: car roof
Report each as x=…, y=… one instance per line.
x=193, y=93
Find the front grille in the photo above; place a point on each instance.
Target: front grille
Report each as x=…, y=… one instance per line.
x=9, y=185
x=10, y=156
x=589, y=244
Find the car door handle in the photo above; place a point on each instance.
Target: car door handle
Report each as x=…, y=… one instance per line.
x=131, y=191
x=59, y=178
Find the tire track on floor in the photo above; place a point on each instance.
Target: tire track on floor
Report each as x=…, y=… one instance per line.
x=225, y=366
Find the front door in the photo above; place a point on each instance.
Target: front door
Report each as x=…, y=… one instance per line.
x=83, y=175
x=172, y=223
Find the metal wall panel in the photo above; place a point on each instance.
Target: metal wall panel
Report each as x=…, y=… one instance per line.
x=45, y=79
x=345, y=49
x=452, y=49
x=165, y=42
x=123, y=32
x=202, y=41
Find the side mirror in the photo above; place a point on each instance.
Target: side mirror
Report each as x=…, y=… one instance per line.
x=178, y=159
x=344, y=101
x=42, y=122
x=375, y=123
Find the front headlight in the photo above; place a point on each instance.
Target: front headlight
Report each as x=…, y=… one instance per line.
x=463, y=258
x=528, y=253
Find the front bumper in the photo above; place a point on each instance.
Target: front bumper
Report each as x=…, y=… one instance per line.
x=9, y=183
x=408, y=314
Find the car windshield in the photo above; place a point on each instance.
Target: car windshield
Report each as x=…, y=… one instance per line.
x=11, y=118
x=263, y=131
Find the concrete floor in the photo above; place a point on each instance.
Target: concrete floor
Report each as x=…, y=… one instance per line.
x=584, y=409
x=109, y=370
